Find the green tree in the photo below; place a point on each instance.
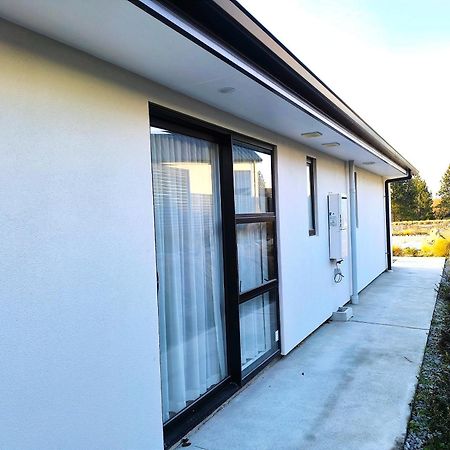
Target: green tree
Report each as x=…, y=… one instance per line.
x=404, y=203
x=443, y=209
x=424, y=200
x=411, y=200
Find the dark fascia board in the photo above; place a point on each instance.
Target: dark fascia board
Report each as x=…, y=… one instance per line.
x=228, y=22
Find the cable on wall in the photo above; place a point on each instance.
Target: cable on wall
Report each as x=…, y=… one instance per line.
x=338, y=275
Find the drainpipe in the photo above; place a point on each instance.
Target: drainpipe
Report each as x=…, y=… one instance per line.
x=387, y=199
x=351, y=170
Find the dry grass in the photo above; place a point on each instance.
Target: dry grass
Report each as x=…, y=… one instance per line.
x=415, y=228
x=436, y=238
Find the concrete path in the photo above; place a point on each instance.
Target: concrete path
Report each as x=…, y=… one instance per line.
x=349, y=385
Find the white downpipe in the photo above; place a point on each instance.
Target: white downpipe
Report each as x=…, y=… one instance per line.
x=351, y=172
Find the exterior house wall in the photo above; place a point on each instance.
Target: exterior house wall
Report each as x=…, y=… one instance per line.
x=371, y=232
x=308, y=293
x=79, y=336
x=78, y=287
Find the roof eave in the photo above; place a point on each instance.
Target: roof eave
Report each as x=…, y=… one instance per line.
x=229, y=22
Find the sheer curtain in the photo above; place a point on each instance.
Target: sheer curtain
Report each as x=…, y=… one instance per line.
x=257, y=322
x=255, y=248
x=189, y=264
x=256, y=315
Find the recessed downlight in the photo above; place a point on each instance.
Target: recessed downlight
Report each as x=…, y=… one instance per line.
x=331, y=144
x=312, y=134
x=227, y=90
x=369, y=163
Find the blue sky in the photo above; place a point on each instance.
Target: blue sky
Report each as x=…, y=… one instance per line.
x=389, y=60
x=407, y=23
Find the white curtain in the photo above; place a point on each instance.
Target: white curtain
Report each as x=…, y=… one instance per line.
x=257, y=320
x=189, y=264
x=257, y=316
x=253, y=255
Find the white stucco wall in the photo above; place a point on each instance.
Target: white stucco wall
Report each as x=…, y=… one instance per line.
x=371, y=232
x=308, y=292
x=78, y=340
x=78, y=277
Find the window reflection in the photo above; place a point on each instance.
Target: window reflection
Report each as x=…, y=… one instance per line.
x=252, y=180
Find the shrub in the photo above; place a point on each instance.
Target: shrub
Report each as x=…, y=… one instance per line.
x=426, y=249
x=397, y=250
x=411, y=251
x=444, y=288
x=441, y=247
x=438, y=244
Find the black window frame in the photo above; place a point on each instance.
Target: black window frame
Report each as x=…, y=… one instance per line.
x=161, y=117
x=271, y=286
x=312, y=170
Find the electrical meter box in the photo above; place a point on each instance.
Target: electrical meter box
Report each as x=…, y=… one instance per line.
x=338, y=226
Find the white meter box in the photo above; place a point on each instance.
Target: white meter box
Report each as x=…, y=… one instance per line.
x=338, y=226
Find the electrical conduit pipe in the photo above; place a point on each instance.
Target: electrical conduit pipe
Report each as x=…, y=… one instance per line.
x=351, y=171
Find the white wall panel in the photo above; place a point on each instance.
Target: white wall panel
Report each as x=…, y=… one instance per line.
x=78, y=341
x=371, y=233
x=309, y=294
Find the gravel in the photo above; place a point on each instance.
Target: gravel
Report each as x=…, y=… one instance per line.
x=429, y=425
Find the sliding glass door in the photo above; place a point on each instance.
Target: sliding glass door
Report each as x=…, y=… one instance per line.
x=190, y=267
x=216, y=263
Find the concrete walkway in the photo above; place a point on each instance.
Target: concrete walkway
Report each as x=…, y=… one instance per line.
x=349, y=385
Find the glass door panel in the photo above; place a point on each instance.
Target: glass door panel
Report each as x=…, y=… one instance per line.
x=188, y=232
x=255, y=254
x=255, y=238
x=252, y=172
x=258, y=324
